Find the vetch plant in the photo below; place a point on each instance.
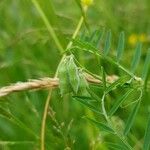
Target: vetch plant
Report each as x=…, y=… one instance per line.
x=93, y=90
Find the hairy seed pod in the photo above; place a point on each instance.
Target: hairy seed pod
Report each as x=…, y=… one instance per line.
x=83, y=85
x=73, y=74
x=63, y=78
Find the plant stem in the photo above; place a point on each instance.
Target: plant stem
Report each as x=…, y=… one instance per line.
x=44, y=120
x=76, y=32
x=48, y=25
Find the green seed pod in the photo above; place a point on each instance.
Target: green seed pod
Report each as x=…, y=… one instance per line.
x=63, y=78
x=83, y=85
x=73, y=74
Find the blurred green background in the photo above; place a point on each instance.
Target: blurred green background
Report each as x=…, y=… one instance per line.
x=28, y=52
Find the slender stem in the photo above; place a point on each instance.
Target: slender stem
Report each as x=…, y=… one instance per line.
x=44, y=120
x=76, y=32
x=48, y=25
x=103, y=108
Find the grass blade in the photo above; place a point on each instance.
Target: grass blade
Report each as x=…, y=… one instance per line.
x=146, y=145
x=146, y=65
x=107, y=42
x=119, y=102
x=120, y=47
x=100, y=125
x=131, y=117
x=48, y=25
x=136, y=57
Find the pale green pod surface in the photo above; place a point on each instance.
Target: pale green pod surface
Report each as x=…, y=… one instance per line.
x=73, y=74
x=83, y=85
x=63, y=78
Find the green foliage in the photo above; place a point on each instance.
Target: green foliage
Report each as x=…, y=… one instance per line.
x=33, y=37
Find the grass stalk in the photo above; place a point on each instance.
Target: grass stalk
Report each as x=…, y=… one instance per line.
x=48, y=25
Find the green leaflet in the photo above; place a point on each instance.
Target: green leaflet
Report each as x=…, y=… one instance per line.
x=96, y=38
x=136, y=57
x=73, y=74
x=100, y=125
x=64, y=84
x=85, y=102
x=120, y=81
x=146, y=144
x=120, y=47
x=118, y=102
x=107, y=43
x=132, y=116
x=146, y=65
x=84, y=45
